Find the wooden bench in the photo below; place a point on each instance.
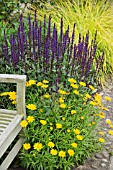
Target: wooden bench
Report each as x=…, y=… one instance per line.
x=10, y=120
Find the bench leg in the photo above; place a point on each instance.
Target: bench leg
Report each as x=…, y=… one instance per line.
x=12, y=154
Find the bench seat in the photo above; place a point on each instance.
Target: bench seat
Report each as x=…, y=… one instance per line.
x=10, y=121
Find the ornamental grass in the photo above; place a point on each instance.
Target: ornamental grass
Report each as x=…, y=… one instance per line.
x=60, y=137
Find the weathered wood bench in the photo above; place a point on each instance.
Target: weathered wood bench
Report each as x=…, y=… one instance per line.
x=10, y=120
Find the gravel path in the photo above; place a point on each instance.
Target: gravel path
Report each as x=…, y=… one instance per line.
x=103, y=160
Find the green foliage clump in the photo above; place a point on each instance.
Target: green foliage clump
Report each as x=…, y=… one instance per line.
x=61, y=129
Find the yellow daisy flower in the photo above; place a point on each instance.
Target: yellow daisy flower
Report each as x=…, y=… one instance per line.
x=62, y=154
x=79, y=137
x=101, y=133
x=76, y=131
x=75, y=92
x=26, y=146
x=58, y=125
x=53, y=152
x=51, y=144
x=108, y=122
x=82, y=83
x=62, y=92
x=91, y=87
x=74, y=145
x=72, y=80
x=39, y=84
x=23, y=123
x=30, y=119
x=73, y=111
x=43, y=122
x=63, y=106
x=38, y=146
x=61, y=100
x=75, y=86
x=31, y=106
x=70, y=152
x=45, y=81
x=68, y=130
x=108, y=98
x=102, y=140
x=47, y=96
x=110, y=132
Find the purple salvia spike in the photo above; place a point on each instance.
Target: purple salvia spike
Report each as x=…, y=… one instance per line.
x=19, y=41
x=94, y=49
x=29, y=31
x=40, y=31
x=86, y=44
x=21, y=18
x=61, y=30
x=39, y=43
x=68, y=51
x=65, y=39
x=90, y=60
x=39, y=39
x=46, y=53
x=44, y=27
x=88, y=67
x=56, y=40
x=53, y=41
x=35, y=20
x=84, y=54
x=36, y=31
x=75, y=51
x=68, y=47
x=16, y=57
x=73, y=34
x=34, y=35
x=48, y=38
x=22, y=48
x=6, y=46
x=80, y=51
x=22, y=36
x=23, y=40
x=95, y=37
x=4, y=51
x=79, y=39
x=12, y=50
x=49, y=26
x=74, y=59
x=53, y=45
x=11, y=43
x=3, y=47
x=61, y=41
